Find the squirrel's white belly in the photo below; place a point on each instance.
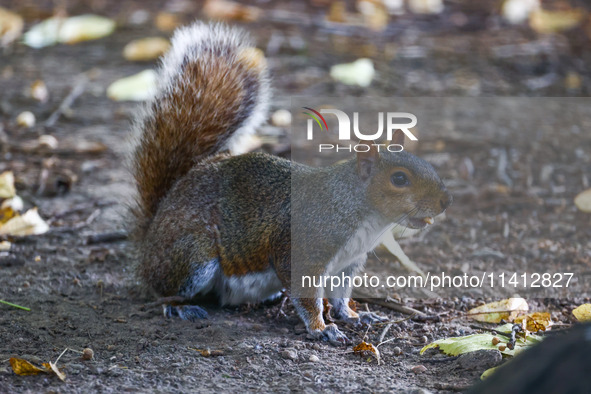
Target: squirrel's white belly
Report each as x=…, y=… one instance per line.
x=232, y=290
x=253, y=287
x=354, y=252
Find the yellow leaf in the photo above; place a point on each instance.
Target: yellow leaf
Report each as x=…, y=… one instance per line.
x=29, y=223
x=494, y=312
x=583, y=312
x=487, y=373
x=367, y=349
x=7, y=189
x=68, y=30
x=583, y=201
x=23, y=367
x=6, y=214
x=137, y=87
x=11, y=26
x=544, y=21
x=146, y=49
x=535, y=322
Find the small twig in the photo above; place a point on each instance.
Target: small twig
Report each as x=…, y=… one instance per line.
x=384, y=332
x=60, y=356
x=15, y=305
x=76, y=91
x=112, y=236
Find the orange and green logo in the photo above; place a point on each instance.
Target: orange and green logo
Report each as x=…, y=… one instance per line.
x=317, y=117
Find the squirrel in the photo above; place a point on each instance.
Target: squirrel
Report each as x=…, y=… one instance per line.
x=210, y=223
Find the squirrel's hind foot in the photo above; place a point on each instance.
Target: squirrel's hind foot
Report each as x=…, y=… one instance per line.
x=185, y=312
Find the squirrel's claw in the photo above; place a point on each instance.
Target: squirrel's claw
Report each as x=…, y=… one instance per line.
x=371, y=318
x=185, y=312
x=333, y=335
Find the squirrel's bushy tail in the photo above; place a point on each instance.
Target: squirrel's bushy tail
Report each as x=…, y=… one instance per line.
x=212, y=87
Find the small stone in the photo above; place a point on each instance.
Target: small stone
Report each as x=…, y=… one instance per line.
x=397, y=351
x=289, y=354
x=495, y=341
x=26, y=119
x=281, y=118
x=417, y=369
x=314, y=358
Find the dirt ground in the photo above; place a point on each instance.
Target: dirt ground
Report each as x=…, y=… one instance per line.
x=83, y=293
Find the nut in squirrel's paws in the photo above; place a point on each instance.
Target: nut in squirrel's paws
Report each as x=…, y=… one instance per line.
x=331, y=334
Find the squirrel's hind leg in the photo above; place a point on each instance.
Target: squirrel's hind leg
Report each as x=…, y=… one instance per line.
x=200, y=282
x=185, y=312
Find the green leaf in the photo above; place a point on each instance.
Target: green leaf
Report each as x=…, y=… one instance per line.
x=459, y=345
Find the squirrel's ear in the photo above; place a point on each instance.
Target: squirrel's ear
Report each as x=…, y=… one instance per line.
x=366, y=161
x=398, y=138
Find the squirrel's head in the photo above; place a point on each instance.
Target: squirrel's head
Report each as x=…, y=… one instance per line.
x=402, y=187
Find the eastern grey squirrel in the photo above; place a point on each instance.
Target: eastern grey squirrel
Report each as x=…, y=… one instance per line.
x=212, y=223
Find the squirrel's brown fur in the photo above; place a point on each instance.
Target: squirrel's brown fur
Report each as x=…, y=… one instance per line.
x=210, y=223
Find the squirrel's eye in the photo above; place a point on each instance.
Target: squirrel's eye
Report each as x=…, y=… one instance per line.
x=400, y=179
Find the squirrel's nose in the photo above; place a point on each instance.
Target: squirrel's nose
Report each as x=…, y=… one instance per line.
x=446, y=200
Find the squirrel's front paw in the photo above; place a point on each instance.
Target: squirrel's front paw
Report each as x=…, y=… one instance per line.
x=371, y=318
x=331, y=334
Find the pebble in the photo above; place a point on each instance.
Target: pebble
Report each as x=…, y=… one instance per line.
x=25, y=119
x=397, y=351
x=281, y=118
x=417, y=369
x=314, y=358
x=87, y=354
x=289, y=354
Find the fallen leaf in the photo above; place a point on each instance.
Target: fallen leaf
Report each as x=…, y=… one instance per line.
x=146, y=49
x=360, y=72
x=6, y=213
x=494, y=312
x=365, y=349
x=583, y=201
x=518, y=11
x=459, y=345
x=375, y=14
x=543, y=21
x=11, y=27
x=57, y=372
x=30, y=223
x=15, y=203
x=24, y=368
x=167, y=22
x=535, y=322
x=7, y=189
x=68, y=30
x=583, y=312
x=425, y=6
x=138, y=87
x=231, y=10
